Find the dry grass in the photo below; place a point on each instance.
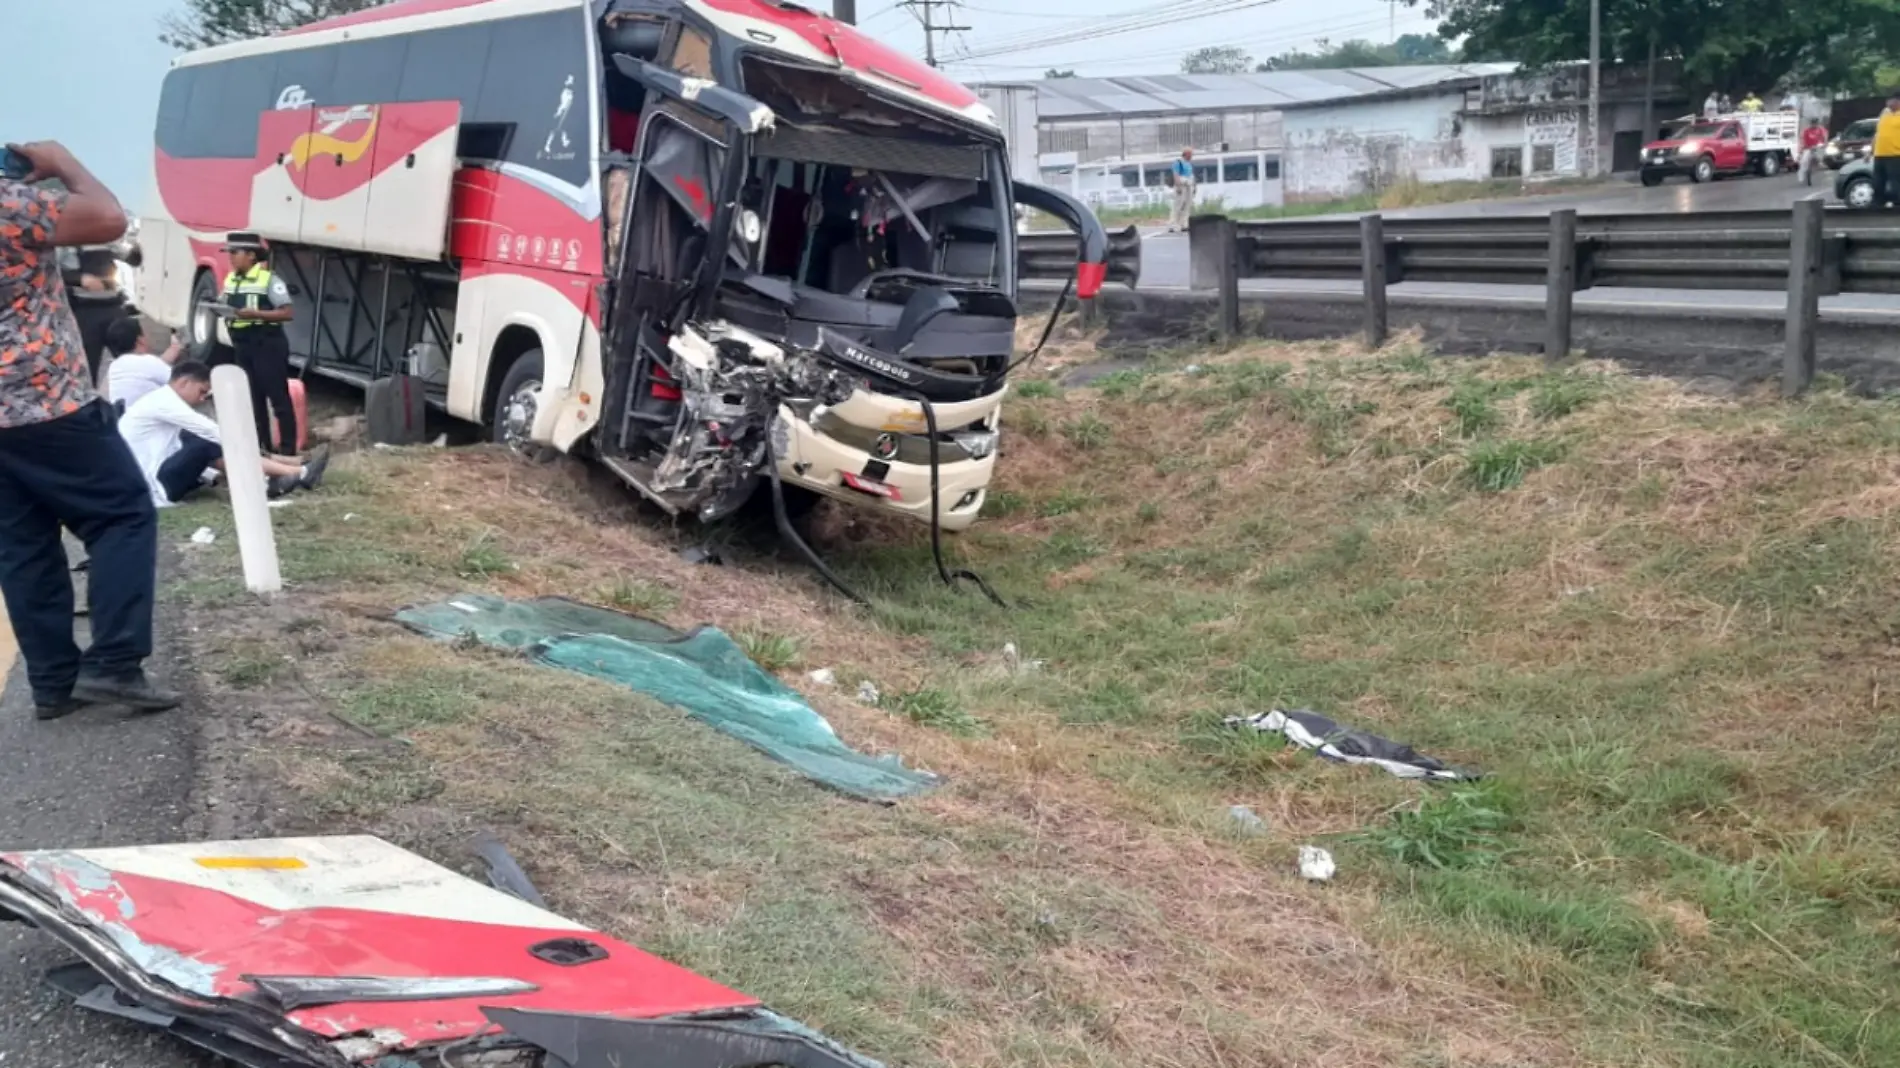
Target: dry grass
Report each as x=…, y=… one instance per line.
x=1621, y=630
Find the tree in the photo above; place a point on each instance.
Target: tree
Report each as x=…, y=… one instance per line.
x=1729, y=45
x=1411, y=48
x=1420, y=48
x=204, y=23
x=1054, y=73
x=1216, y=59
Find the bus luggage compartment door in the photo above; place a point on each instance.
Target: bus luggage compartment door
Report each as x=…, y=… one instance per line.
x=415, y=165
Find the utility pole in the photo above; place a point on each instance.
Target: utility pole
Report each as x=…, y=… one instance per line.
x=1596, y=58
x=931, y=29
x=845, y=11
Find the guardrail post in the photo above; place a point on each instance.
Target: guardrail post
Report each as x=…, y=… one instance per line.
x=1560, y=283
x=244, y=473
x=1804, y=296
x=1228, y=241
x=1206, y=236
x=1373, y=273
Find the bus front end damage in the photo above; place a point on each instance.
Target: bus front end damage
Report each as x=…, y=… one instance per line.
x=814, y=294
x=348, y=952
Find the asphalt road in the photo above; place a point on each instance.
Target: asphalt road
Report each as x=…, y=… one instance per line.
x=96, y=778
x=1164, y=256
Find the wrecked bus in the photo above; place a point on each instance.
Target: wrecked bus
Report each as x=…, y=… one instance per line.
x=348, y=952
x=711, y=244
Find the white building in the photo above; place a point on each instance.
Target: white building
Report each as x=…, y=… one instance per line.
x=1291, y=136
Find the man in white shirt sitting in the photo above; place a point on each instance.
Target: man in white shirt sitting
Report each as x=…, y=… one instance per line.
x=176, y=446
x=135, y=370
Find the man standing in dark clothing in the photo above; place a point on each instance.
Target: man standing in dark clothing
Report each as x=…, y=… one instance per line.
x=62, y=461
x=262, y=306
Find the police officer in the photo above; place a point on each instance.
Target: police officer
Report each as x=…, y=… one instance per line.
x=263, y=306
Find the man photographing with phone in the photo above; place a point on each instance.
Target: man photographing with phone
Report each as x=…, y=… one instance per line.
x=62, y=461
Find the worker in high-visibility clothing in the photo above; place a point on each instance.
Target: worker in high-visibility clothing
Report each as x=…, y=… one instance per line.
x=1887, y=155
x=262, y=305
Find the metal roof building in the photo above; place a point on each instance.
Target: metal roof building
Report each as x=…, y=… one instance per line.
x=1165, y=94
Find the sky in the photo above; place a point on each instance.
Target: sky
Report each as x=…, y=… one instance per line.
x=105, y=69
x=95, y=68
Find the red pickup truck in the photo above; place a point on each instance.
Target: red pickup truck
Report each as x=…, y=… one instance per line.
x=1762, y=143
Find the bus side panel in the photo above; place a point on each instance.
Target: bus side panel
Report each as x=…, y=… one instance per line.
x=277, y=205
x=165, y=277
x=528, y=260
x=468, y=358
x=415, y=164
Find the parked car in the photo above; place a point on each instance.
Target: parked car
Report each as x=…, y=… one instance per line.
x=1855, y=184
x=1855, y=141
x=1761, y=143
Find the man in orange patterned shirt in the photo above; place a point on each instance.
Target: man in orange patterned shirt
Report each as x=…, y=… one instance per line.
x=62, y=461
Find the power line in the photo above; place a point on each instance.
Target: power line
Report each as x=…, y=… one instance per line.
x=932, y=29
x=1297, y=32
x=1091, y=29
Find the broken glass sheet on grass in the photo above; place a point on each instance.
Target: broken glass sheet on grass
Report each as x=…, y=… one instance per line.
x=703, y=672
x=1312, y=731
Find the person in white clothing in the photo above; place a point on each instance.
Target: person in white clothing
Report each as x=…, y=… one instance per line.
x=175, y=445
x=134, y=369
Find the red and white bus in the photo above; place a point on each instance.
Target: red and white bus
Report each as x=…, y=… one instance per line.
x=706, y=242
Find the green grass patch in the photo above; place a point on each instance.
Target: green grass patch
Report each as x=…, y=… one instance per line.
x=1088, y=431
x=640, y=597
x=1496, y=466
x=1461, y=827
x=936, y=709
x=770, y=650
x=483, y=558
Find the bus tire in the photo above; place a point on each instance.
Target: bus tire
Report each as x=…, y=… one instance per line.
x=201, y=328
x=516, y=406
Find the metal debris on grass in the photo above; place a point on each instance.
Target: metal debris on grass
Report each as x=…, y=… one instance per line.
x=1311, y=731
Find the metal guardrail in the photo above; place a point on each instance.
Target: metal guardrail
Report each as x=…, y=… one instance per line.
x=1703, y=250
x=1053, y=256
x=1808, y=251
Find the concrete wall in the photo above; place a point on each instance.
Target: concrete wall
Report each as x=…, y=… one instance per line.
x=1342, y=150
x=1546, y=142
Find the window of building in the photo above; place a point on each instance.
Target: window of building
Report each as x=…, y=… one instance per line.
x=1155, y=174
x=1131, y=177
x=1240, y=169
x=1206, y=173
x=1507, y=162
x=1543, y=159
x=1272, y=169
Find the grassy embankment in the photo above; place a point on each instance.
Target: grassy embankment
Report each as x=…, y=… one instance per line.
x=1663, y=622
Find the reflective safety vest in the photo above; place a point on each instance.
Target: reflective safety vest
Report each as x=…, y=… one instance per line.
x=256, y=289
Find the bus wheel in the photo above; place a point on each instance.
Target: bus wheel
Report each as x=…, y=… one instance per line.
x=516, y=405
x=201, y=334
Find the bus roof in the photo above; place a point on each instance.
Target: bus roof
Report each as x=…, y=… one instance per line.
x=769, y=26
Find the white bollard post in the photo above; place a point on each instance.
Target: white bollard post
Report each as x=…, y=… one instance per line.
x=244, y=472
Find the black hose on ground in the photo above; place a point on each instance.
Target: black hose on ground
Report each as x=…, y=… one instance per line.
x=789, y=533
x=1048, y=328
x=950, y=578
